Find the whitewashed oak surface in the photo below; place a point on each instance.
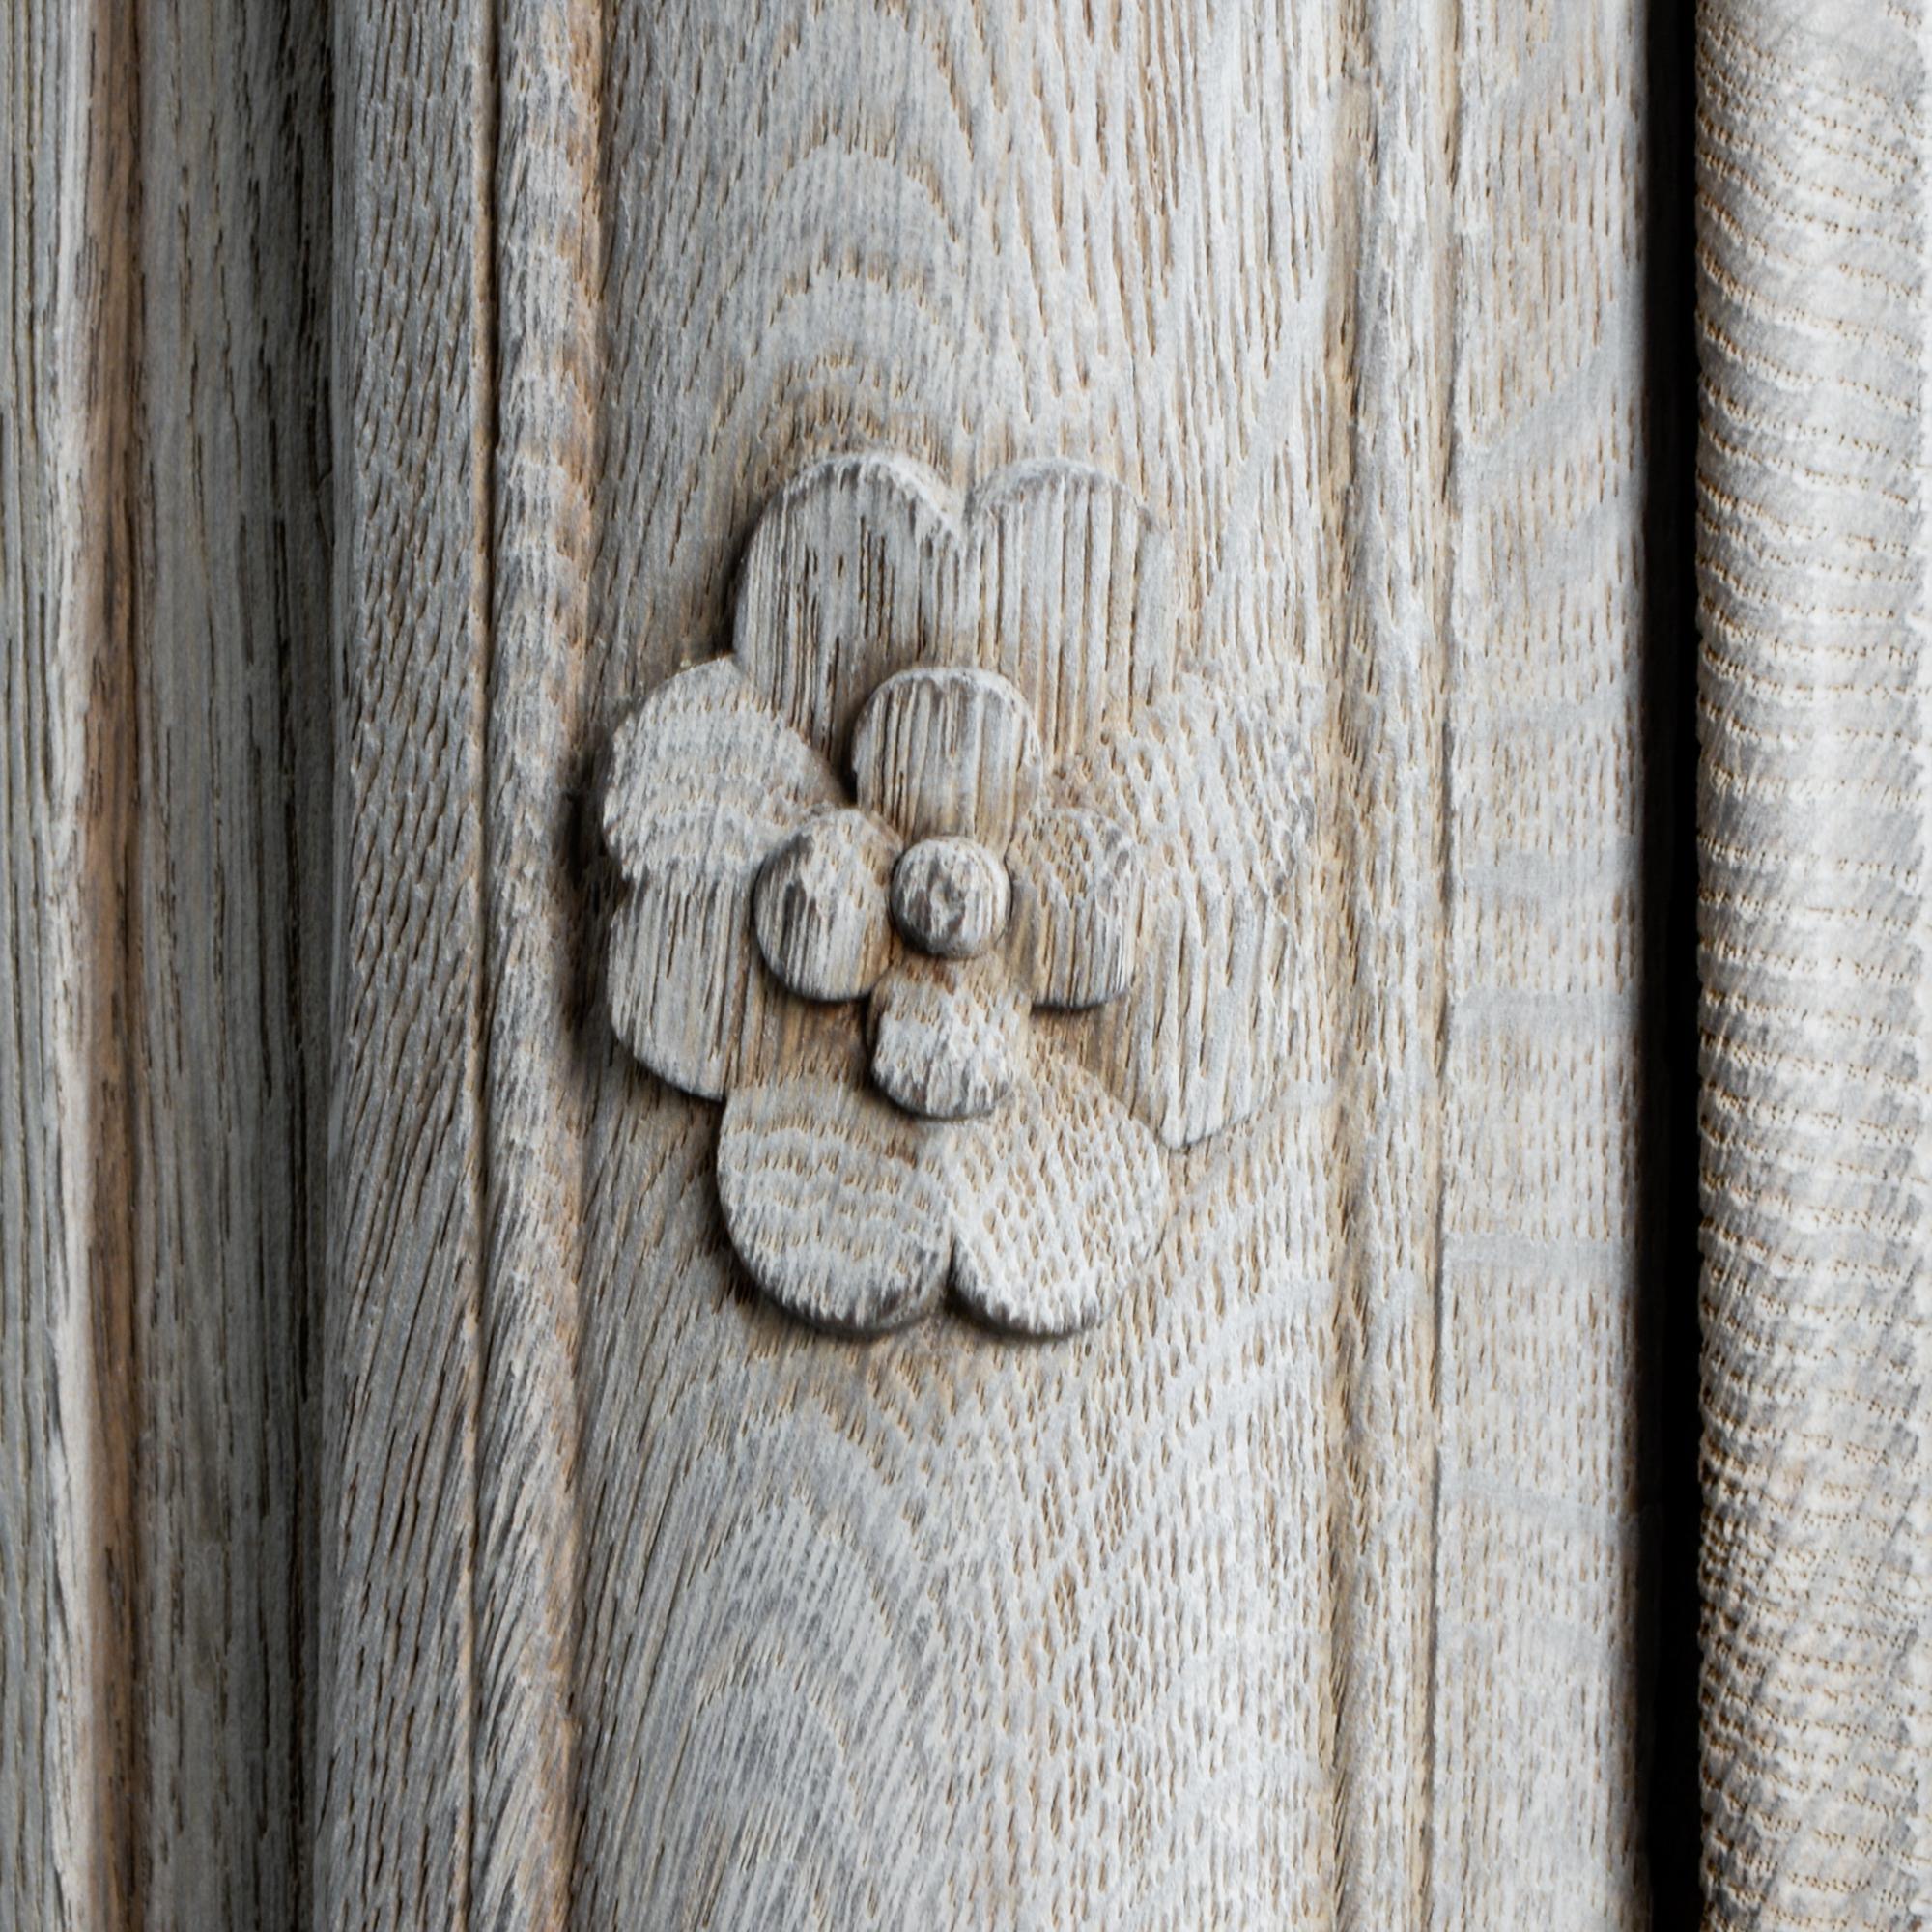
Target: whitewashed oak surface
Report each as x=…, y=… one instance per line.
x=1305, y=1588
x=1814, y=168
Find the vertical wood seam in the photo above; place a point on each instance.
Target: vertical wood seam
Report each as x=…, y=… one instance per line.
x=484, y=326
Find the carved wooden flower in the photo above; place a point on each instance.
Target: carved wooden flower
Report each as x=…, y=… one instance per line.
x=954, y=892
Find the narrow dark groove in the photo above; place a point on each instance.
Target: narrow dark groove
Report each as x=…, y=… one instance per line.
x=297, y=339
x=1667, y=1112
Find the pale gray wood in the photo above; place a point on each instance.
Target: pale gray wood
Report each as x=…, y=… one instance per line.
x=538, y=839
x=824, y=903
x=1540, y=1807
x=1302, y=1589
x=1261, y=1603
x=1815, y=922
x=876, y=620
x=942, y=1037
x=947, y=750
x=951, y=898
x=227, y=936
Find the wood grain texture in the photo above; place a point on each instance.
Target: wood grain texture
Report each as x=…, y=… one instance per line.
x=1544, y=1503
x=1305, y=1589
x=1815, y=928
x=69, y=1421
x=1079, y=878
x=704, y=783
x=1220, y=797
x=870, y=567
x=165, y=532
x=1155, y=1627
x=951, y=898
x=229, y=907
x=943, y=1037
x=948, y=750
x=1015, y=1722
x=1389, y=756
x=545, y=220
x=845, y=1229
x=400, y=1697
x=824, y=904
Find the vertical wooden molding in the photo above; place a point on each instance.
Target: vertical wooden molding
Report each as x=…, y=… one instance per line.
x=1538, y=1699
x=1814, y=823
x=1152, y=1623
x=537, y=956
x=1390, y=975
x=162, y=547
x=73, y=1771
x=228, y=890
x=415, y=95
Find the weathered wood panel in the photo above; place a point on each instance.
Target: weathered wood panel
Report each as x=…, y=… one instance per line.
x=71, y=1788
x=1538, y=1642
x=165, y=443
x=1303, y=1588
x=944, y=1629
x=397, y=1496
x=1816, y=956
x=1167, y=1624
x=228, y=931
x=535, y=939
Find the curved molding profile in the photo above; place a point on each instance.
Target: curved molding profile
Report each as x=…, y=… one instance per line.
x=958, y=893
x=1815, y=948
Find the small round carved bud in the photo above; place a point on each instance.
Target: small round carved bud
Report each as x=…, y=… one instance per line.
x=819, y=906
x=950, y=898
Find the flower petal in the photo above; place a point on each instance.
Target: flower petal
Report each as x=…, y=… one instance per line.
x=704, y=780
x=704, y=768
x=1079, y=876
x=822, y=905
x=943, y=1034
x=948, y=751
x=851, y=574
x=687, y=992
x=1067, y=596
x=1056, y=1199
x=683, y=977
x=834, y=1201
x=1201, y=1039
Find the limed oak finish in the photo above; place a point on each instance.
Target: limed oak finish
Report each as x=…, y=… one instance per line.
x=410, y=1512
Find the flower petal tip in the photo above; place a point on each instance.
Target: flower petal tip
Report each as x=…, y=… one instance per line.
x=834, y=1203
x=1057, y=1204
